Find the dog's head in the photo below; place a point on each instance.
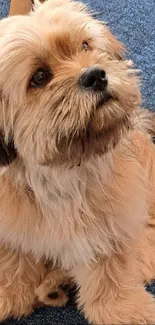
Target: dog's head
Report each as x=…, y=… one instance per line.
x=66, y=93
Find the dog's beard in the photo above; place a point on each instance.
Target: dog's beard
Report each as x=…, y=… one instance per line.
x=97, y=137
x=74, y=150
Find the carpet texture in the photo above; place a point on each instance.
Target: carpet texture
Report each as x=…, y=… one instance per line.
x=133, y=22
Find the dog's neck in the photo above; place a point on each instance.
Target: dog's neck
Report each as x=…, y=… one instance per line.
x=54, y=186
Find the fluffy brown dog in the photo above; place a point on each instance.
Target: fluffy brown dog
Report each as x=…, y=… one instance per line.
x=77, y=173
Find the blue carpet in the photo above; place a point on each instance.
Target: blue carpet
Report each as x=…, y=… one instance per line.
x=133, y=21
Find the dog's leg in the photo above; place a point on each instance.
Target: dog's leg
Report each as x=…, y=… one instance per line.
x=145, y=246
x=19, y=277
x=110, y=293
x=145, y=252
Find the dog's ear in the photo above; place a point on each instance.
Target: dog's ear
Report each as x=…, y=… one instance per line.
x=113, y=46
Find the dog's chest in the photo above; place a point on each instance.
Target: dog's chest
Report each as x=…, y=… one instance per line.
x=57, y=219
x=70, y=237
x=72, y=230
x=96, y=212
x=76, y=217
x=89, y=213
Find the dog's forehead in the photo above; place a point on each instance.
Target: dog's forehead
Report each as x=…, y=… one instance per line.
x=61, y=22
x=37, y=35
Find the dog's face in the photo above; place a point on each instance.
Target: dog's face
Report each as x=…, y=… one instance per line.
x=65, y=91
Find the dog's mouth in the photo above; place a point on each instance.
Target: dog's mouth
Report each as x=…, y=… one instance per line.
x=106, y=97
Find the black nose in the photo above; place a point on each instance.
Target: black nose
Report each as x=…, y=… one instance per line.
x=94, y=78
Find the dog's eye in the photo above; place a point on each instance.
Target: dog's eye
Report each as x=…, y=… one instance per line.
x=85, y=46
x=40, y=78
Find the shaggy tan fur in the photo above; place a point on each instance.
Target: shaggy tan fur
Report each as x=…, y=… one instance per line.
x=77, y=187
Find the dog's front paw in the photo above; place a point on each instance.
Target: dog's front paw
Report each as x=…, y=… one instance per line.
x=52, y=297
x=51, y=292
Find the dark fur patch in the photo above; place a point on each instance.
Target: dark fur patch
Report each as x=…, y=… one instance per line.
x=73, y=150
x=8, y=152
x=153, y=139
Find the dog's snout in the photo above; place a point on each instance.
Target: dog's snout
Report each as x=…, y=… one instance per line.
x=94, y=78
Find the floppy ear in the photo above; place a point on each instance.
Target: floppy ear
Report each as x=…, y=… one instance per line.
x=8, y=152
x=113, y=45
